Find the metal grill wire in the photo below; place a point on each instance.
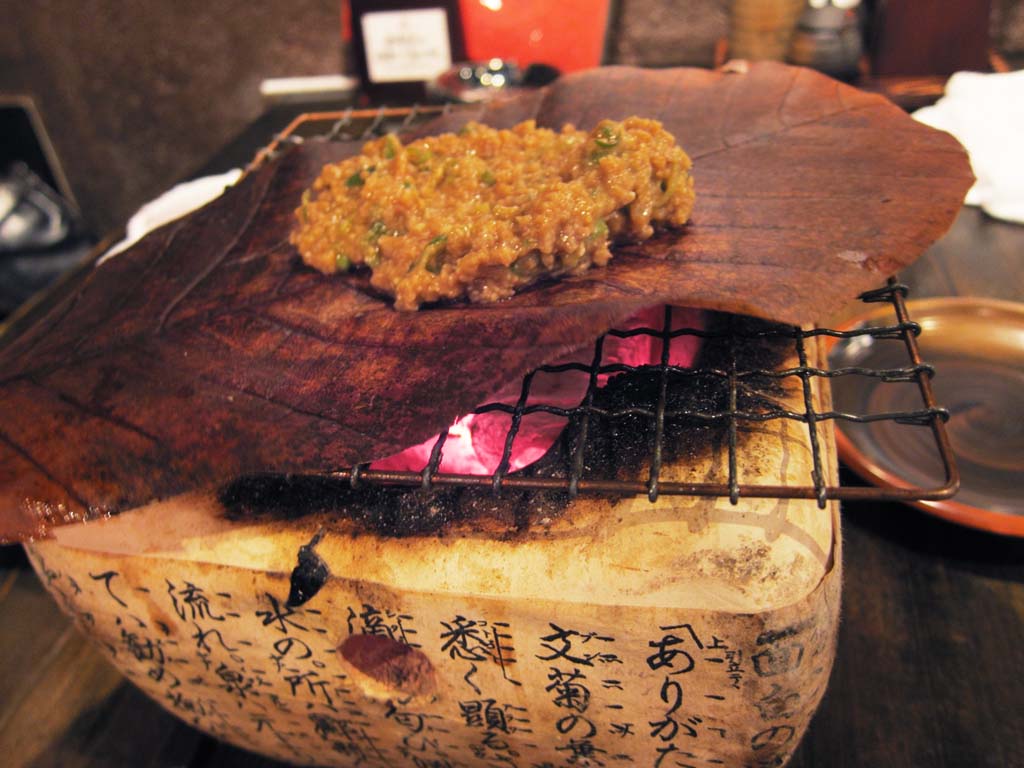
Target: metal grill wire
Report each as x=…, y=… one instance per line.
x=361, y=125
x=929, y=415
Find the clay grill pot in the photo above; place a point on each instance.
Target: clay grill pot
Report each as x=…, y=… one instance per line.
x=688, y=630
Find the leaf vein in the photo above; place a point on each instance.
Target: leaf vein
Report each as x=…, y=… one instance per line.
x=42, y=469
x=98, y=413
x=768, y=134
x=214, y=263
x=249, y=392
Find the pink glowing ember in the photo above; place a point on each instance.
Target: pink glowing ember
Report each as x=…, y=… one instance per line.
x=476, y=441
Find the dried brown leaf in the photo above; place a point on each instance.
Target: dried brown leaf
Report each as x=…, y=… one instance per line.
x=208, y=350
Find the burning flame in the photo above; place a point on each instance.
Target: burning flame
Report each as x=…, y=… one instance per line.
x=475, y=442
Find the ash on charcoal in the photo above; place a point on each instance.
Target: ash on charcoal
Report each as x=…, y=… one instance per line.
x=385, y=511
x=618, y=445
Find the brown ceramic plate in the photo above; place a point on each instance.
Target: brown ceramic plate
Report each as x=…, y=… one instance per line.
x=977, y=349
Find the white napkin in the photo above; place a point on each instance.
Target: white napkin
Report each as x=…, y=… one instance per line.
x=172, y=204
x=985, y=112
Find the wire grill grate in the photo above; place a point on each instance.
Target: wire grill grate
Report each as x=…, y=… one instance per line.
x=352, y=124
x=733, y=417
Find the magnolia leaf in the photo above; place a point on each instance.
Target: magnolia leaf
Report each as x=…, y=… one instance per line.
x=208, y=350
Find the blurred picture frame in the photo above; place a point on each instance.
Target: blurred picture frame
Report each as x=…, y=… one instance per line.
x=399, y=46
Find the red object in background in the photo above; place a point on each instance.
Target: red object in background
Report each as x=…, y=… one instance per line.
x=569, y=34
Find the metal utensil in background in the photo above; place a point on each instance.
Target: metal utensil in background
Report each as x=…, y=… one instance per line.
x=828, y=38
x=470, y=82
x=40, y=236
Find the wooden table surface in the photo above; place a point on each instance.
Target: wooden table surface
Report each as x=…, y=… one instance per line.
x=930, y=666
